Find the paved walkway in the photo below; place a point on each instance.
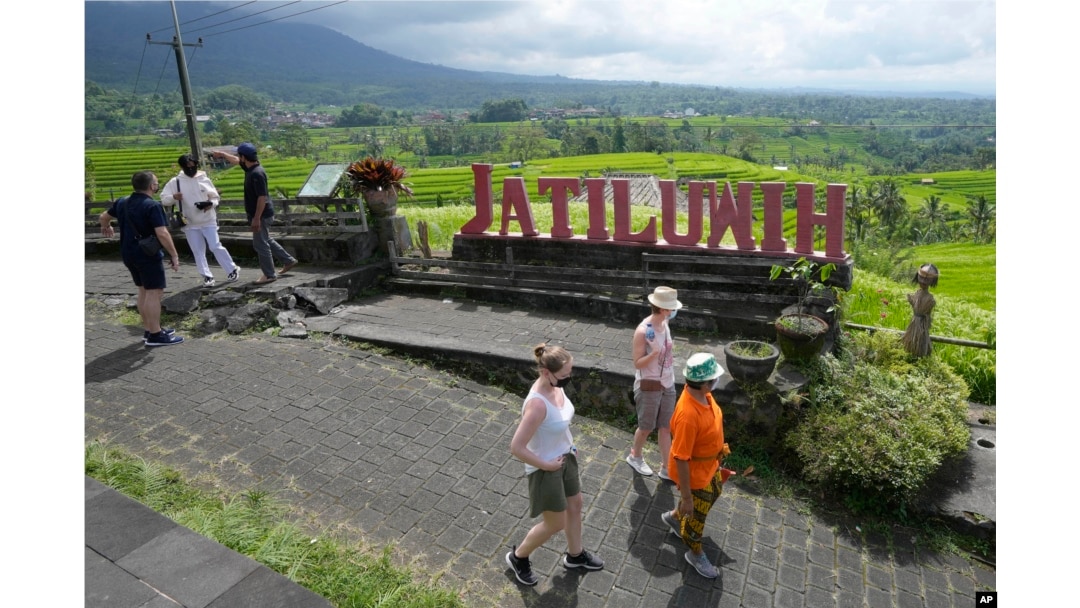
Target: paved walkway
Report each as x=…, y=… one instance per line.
x=400, y=453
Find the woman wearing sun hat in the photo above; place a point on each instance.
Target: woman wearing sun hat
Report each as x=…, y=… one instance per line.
x=654, y=379
x=697, y=447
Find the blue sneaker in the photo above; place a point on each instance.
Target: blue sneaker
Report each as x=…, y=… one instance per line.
x=162, y=339
x=168, y=331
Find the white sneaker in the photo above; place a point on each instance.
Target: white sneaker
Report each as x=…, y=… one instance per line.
x=208, y=282
x=233, y=276
x=663, y=474
x=639, y=465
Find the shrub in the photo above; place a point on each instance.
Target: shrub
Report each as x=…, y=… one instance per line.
x=874, y=300
x=879, y=424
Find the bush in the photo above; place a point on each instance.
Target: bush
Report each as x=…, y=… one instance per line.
x=879, y=424
x=875, y=300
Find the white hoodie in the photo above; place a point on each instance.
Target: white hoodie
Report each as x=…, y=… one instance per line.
x=194, y=190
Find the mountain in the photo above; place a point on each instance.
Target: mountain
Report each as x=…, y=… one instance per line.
x=304, y=63
x=280, y=59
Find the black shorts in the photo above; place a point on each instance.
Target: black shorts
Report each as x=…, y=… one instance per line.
x=147, y=272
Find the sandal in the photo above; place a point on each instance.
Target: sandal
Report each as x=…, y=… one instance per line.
x=288, y=267
x=263, y=281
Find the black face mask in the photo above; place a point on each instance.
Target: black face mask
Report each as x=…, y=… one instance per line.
x=561, y=382
x=191, y=171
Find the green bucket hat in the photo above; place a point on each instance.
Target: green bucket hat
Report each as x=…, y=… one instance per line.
x=702, y=367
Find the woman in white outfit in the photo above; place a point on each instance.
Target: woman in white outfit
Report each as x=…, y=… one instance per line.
x=198, y=200
x=544, y=443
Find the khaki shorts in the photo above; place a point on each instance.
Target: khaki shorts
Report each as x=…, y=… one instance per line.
x=654, y=408
x=548, y=490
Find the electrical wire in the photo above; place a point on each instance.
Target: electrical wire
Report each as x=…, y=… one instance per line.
x=242, y=18
x=273, y=20
x=146, y=45
x=205, y=17
x=162, y=75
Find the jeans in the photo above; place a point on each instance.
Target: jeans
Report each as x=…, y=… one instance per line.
x=201, y=237
x=267, y=249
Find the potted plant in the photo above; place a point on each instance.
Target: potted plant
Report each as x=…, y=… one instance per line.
x=379, y=181
x=750, y=361
x=800, y=334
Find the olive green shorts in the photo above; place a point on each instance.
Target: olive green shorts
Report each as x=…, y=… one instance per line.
x=548, y=490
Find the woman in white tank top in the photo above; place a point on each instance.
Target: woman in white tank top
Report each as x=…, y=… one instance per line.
x=544, y=443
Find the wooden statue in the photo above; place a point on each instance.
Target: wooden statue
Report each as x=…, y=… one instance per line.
x=917, y=336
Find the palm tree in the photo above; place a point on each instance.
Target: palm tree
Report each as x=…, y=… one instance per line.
x=981, y=216
x=935, y=214
x=858, y=211
x=889, y=204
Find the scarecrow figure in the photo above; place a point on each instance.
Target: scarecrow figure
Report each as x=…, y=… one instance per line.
x=917, y=337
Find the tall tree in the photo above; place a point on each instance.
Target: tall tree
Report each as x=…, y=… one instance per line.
x=935, y=214
x=525, y=142
x=503, y=110
x=981, y=218
x=858, y=212
x=890, y=205
x=618, y=137
x=292, y=140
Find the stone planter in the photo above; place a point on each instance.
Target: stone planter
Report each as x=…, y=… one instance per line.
x=800, y=336
x=747, y=368
x=382, y=203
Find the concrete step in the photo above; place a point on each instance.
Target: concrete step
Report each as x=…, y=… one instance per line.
x=731, y=321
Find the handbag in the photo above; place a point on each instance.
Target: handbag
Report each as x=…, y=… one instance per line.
x=650, y=385
x=177, y=219
x=150, y=245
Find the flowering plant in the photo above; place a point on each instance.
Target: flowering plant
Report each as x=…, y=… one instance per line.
x=373, y=174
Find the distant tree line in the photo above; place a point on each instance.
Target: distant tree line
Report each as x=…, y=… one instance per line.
x=925, y=144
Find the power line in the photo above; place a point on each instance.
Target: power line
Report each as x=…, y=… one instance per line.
x=241, y=19
x=164, y=29
x=162, y=75
x=273, y=20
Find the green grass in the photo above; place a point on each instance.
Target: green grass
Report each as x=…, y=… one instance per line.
x=257, y=525
x=880, y=302
x=968, y=271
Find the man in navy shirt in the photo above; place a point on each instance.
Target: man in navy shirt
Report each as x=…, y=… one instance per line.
x=260, y=212
x=139, y=215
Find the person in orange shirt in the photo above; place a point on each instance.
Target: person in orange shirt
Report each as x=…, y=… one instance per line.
x=697, y=448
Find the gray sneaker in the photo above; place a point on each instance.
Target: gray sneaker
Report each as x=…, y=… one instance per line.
x=638, y=464
x=702, y=564
x=672, y=522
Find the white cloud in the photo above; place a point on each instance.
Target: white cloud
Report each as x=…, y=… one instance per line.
x=924, y=44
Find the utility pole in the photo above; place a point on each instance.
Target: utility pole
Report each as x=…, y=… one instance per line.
x=185, y=84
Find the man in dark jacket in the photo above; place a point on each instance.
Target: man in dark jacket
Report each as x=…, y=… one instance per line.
x=139, y=215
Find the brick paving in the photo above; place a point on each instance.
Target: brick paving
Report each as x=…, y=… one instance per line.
x=395, y=452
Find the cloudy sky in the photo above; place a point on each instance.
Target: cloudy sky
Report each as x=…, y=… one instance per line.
x=917, y=45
